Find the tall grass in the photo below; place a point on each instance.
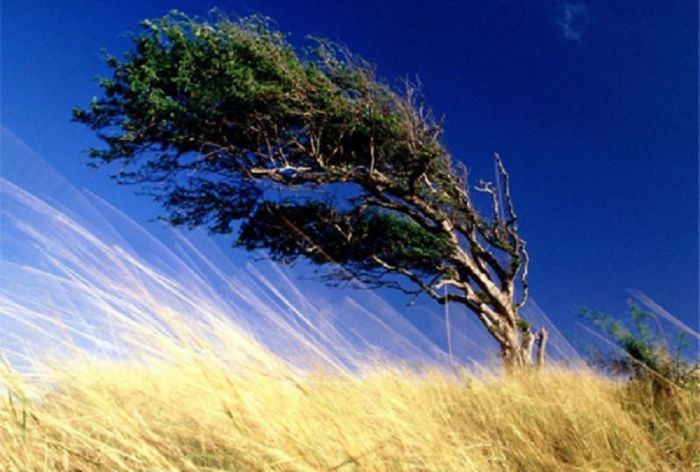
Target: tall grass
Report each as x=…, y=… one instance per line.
x=192, y=413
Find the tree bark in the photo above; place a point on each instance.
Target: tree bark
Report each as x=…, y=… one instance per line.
x=517, y=351
x=516, y=359
x=542, y=338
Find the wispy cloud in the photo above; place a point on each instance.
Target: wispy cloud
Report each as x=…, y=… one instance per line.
x=571, y=19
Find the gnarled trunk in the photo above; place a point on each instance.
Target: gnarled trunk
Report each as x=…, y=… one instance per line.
x=516, y=359
x=517, y=351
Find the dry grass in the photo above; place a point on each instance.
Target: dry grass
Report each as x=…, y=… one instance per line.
x=192, y=414
x=148, y=369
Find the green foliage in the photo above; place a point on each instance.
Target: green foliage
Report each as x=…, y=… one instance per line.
x=214, y=116
x=240, y=87
x=350, y=238
x=524, y=325
x=649, y=354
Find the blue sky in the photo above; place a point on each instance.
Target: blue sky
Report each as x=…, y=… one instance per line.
x=592, y=104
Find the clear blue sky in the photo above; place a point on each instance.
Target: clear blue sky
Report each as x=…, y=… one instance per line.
x=592, y=103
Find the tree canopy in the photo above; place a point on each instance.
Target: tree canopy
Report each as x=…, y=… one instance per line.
x=307, y=154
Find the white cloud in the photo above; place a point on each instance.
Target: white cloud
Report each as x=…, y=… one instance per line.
x=571, y=20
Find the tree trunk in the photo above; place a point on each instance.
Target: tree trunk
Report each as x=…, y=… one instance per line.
x=517, y=351
x=516, y=358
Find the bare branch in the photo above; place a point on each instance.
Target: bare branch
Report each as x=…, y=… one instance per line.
x=524, y=286
x=506, y=189
x=542, y=338
x=485, y=186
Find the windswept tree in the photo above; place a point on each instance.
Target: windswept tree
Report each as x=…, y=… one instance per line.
x=309, y=155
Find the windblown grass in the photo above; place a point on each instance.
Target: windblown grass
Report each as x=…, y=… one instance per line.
x=191, y=413
x=148, y=368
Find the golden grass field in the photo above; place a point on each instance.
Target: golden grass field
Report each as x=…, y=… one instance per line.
x=120, y=365
x=191, y=413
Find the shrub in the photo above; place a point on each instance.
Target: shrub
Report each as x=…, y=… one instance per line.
x=645, y=352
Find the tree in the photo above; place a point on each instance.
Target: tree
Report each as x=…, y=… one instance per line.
x=307, y=154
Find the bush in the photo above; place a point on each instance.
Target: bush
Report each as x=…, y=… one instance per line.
x=645, y=352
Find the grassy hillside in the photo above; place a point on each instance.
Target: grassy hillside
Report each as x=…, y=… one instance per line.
x=162, y=364
x=190, y=413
